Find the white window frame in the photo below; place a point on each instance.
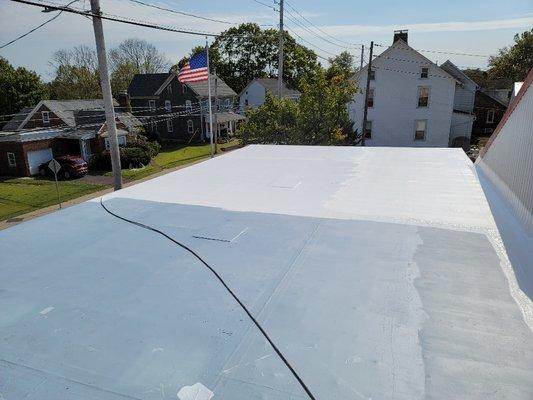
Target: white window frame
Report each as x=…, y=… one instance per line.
x=422, y=72
x=45, y=115
x=151, y=105
x=365, y=129
x=490, y=113
x=418, y=96
x=190, y=126
x=227, y=104
x=11, y=159
x=170, y=126
x=168, y=106
x=188, y=106
x=425, y=130
x=373, y=92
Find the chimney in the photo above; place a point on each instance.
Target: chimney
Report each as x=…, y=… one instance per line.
x=124, y=102
x=401, y=34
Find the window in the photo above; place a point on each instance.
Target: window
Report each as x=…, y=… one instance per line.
x=11, y=159
x=372, y=75
x=490, y=116
x=204, y=105
x=151, y=105
x=168, y=106
x=368, y=130
x=423, y=96
x=424, y=72
x=184, y=88
x=121, y=142
x=188, y=106
x=46, y=117
x=420, y=129
x=227, y=103
x=170, y=128
x=370, y=102
x=217, y=104
x=190, y=126
x=245, y=102
x=169, y=89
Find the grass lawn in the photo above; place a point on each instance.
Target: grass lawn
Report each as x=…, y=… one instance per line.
x=22, y=195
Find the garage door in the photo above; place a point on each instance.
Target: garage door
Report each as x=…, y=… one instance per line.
x=35, y=158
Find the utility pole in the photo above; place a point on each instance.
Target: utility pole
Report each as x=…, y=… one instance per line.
x=362, y=57
x=365, y=114
x=280, y=51
x=106, y=93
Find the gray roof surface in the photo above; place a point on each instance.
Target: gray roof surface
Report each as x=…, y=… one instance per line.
x=366, y=297
x=17, y=119
x=271, y=84
x=201, y=88
x=146, y=84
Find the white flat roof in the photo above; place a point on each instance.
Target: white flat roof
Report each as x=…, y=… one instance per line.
x=378, y=272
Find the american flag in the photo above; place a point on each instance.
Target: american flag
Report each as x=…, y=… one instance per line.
x=195, y=70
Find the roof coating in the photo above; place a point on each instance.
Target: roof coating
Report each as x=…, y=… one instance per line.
x=376, y=271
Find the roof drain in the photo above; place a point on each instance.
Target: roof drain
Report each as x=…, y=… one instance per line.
x=219, y=278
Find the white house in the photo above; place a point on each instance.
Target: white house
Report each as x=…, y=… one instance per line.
x=254, y=94
x=412, y=100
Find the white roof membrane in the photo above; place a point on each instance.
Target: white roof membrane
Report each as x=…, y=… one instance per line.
x=376, y=271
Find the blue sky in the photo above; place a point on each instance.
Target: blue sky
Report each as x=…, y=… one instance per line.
x=479, y=27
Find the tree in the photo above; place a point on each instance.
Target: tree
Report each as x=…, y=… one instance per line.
x=76, y=74
x=319, y=118
x=20, y=88
x=479, y=76
x=342, y=64
x=514, y=62
x=134, y=56
x=241, y=54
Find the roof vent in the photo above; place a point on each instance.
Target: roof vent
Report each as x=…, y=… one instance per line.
x=401, y=34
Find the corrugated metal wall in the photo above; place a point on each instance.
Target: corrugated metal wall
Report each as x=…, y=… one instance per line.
x=508, y=161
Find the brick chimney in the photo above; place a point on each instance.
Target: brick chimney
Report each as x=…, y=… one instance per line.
x=401, y=34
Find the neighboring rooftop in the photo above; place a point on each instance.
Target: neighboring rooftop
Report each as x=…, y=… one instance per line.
x=222, y=89
x=378, y=272
x=271, y=85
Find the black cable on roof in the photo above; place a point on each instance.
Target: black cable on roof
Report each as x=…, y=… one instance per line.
x=229, y=290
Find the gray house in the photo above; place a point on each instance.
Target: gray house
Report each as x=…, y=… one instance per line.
x=176, y=111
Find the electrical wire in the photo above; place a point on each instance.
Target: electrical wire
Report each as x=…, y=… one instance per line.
x=116, y=18
x=311, y=44
x=182, y=12
x=226, y=286
x=37, y=27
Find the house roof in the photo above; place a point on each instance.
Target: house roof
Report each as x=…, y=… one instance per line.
x=143, y=85
x=485, y=100
x=271, y=84
x=31, y=136
x=456, y=72
x=360, y=293
x=202, y=89
x=14, y=123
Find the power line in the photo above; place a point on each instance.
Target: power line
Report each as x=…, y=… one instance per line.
x=37, y=27
x=266, y=5
x=455, y=54
x=115, y=18
x=321, y=30
x=311, y=44
x=182, y=12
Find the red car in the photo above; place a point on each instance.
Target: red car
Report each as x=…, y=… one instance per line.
x=71, y=166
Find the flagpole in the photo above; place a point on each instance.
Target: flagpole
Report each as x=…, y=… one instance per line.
x=210, y=110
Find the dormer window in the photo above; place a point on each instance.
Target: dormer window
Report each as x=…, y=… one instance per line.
x=424, y=73
x=188, y=106
x=46, y=117
x=168, y=106
x=184, y=88
x=169, y=89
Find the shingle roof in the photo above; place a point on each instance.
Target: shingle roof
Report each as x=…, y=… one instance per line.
x=201, y=88
x=271, y=84
x=146, y=84
x=15, y=122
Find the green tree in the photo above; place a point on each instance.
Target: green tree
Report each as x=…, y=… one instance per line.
x=319, y=118
x=76, y=74
x=20, y=88
x=241, y=54
x=342, y=64
x=515, y=61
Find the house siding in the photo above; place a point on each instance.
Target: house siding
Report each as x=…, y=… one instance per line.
x=395, y=101
x=255, y=94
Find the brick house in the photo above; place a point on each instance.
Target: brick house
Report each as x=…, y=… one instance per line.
x=175, y=111
x=58, y=127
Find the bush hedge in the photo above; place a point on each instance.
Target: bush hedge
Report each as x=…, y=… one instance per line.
x=136, y=153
